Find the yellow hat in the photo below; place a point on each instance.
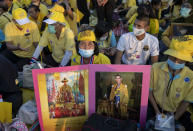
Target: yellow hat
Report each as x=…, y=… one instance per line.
x=57, y=8
x=87, y=35
x=55, y=17
x=20, y=16
x=182, y=48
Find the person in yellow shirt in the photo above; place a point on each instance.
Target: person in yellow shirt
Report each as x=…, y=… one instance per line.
x=70, y=16
x=37, y=17
x=105, y=39
x=5, y=16
x=43, y=8
x=88, y=51
x=154, y=17
x=22, y=36
x=12, y=5
x=61, y=39
x=171, y=86
x=119, y=96
x=185, y=17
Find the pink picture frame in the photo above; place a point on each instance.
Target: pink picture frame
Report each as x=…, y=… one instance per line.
x=45, y=122
x=144, y=69
x=91, y=99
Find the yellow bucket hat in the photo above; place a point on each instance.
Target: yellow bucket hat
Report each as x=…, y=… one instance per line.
x=182, y=48
x=87, y=35
x=55, y=17
x=57, y=8
x=20, y=16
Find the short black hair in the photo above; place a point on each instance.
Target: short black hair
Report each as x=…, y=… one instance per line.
x=101, y=28
x=37, y=9
x=143, y=9
x=143, y=18
x=96, y=48
x=118, y=75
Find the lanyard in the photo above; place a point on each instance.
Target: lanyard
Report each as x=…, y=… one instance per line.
x=167, y=89
x=82, y=60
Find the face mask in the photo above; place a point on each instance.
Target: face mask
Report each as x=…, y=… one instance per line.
x=86, y=53
x=175, y=66
x=51, y=29
x=103, y=38
x=138, y=32
x=185, y=12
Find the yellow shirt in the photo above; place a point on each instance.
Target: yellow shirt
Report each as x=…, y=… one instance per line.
x=166, y=36
x=14, y=6
x=25, y=37
x=122, y=91
x=154, y=26
x=106, y=43
x=181, y=88
x=131, y=12
x=72, y=24
x=98, y=59
x=5, y=18
x=176, y=12
x=129, y=3
x=65, y=42
x=73, y=4
x=43, y=9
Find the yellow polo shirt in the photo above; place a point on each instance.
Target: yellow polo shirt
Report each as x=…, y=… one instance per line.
x=181, y=88
x=98, y=59
x=5, y=18
x=25, y=37
x=58, y=46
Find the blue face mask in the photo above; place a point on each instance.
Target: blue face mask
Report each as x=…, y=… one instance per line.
x=86, y=53
x=185, y=12
x=175, y=66
x=51, y=29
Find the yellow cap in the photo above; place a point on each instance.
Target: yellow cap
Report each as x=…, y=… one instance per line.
x=56, y=17
x=20, y=16
x=57, y=8
x=87, y=35
x=182, y=48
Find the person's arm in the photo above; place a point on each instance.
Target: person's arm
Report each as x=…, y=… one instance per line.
x=154, y=59
x=12, y=47
x=66, y=58
x=118, y=57
x=181, y=109
x=153, y=102
x=69, y=11
x=166, y=36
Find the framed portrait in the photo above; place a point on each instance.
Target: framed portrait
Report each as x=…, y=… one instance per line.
x=61, y=97
x=120, y=91
x=181, y=29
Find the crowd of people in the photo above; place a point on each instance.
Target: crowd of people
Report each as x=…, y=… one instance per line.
x=59, y=33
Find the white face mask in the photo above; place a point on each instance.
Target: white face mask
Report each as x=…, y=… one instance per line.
x=138, y=32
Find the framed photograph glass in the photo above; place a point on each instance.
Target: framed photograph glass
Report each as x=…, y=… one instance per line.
x=181, y=29
x=120, y=91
